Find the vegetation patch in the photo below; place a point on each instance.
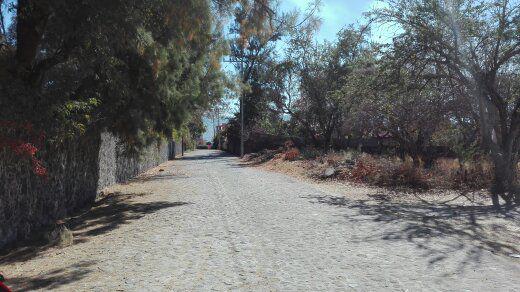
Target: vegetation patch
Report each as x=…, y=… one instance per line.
x=378, y=170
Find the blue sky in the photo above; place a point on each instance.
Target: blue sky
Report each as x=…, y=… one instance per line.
x=5, y=5
x=334, y=14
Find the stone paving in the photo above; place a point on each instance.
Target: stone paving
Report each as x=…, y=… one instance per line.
x=206, y=223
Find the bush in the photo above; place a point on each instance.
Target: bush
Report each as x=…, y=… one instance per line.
x=288, y=144
x=392, y=171
x=291, y=154
x=451, y=173
x=364, y=168
x=310, y=153
x=407, y=174
x=387, y=172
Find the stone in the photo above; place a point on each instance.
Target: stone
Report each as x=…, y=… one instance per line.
x=59, y=235
x=330, y=171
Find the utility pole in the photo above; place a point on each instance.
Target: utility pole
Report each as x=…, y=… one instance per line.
x=241, y=125
x=219, y=130
x=242, y=114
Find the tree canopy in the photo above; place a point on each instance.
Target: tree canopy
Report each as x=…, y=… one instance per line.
x=137, y=68
x=448, y=79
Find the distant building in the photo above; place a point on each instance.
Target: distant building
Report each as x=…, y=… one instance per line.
x=222, y=141
x=220, y=128
x=201, y=141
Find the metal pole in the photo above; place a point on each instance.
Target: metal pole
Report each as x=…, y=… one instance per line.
x=242, y=125
x=219, y=129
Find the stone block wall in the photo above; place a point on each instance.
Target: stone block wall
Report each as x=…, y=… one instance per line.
x=174, y=149
x=77, y=171
x=130, y=166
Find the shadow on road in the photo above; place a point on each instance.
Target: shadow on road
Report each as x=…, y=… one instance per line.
x=158, y=177
x=207, y=155
x=441, y=231
x=106, y=215
x=209, y=158
x=53, y=279
x=110, y=213
x=257, y=159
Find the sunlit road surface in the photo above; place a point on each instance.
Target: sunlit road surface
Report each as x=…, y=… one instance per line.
x=207, y=223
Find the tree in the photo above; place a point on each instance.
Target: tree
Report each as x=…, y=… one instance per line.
x=400, y=104
x=137, y=68
x=474, y=45
x=256, y=29
x=320, y=101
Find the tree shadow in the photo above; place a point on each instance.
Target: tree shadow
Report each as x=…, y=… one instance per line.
x=209, y=159
x=53, y=279
x=112, y=212
x=158, y=177
x=257, y=159
x=108, y=214
x=440, y=231
x=210, y=155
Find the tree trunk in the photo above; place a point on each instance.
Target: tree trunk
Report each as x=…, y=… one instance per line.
x=30, y=25
x=416, y=159
x=505, y=184
x=327, y=140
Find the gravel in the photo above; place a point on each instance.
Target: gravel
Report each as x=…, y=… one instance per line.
x=208, y=223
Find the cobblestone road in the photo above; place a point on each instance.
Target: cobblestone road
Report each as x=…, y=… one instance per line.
x=206, y=223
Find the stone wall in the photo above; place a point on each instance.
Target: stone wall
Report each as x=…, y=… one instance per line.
x=77, y=171
x=130, y=166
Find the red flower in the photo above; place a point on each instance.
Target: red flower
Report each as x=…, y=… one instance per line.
x=27, y=148
x=38, y=169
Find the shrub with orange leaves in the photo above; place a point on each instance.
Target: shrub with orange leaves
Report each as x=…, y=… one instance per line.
x=473, y=174
x=291, y=154
x=364, y=168
x=387, y=172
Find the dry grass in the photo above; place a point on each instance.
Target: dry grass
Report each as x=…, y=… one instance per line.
x=382, y=171
x=352, y=166
x=451, y=173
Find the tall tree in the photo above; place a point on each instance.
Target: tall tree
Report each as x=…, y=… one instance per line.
x=474, y=45
x=137, y=68
x=321, y=100
x=257, y=26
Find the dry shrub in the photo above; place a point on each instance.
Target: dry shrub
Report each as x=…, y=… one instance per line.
x=334, y=158
x=446, y=173
x=409, y=175
x=291, y=154
x=288, y=144
x=364, y=168
x=451, y=173
x=388, y=172
x=310, y=153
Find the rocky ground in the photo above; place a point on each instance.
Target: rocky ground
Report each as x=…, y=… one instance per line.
x=211, y=222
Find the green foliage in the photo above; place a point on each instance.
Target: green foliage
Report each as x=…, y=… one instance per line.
x=138, y=68
x=322, y=99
